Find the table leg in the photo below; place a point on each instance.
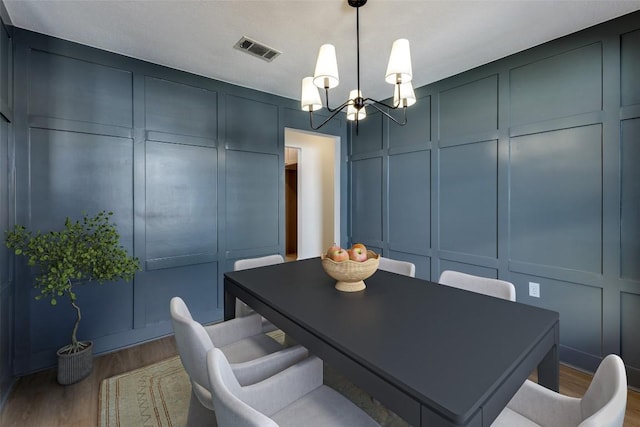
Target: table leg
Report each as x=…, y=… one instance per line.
x=549, y=367
x=229, y=303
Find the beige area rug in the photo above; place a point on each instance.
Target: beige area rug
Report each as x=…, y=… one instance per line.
x=154, y=396
x=158, y=396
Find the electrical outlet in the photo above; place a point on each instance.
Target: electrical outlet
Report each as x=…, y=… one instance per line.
x=534, y=289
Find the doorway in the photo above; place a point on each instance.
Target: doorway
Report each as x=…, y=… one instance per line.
x=317, y=192
x=291, y=156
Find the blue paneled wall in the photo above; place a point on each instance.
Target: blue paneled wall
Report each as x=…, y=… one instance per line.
x=192, y=168
x=6, y=184
x=523, y=169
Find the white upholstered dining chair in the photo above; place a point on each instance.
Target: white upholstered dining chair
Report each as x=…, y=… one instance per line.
x=243, y=309
x=399, y=267
x=243, y=264
x=295, y=396
x=483, y=285
x=603, y=405
x=253, y=355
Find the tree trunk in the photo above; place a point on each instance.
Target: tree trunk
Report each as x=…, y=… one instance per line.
x=75, y=346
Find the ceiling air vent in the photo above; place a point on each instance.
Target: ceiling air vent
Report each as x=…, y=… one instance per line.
x=254, y=48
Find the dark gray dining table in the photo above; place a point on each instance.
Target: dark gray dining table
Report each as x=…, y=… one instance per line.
x=433, y=354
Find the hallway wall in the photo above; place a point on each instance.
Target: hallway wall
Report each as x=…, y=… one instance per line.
x=318, y=176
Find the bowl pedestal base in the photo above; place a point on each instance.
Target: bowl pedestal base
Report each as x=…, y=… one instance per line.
x=350, y=286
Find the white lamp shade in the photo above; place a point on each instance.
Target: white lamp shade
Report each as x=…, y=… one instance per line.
x=399, y=68
x=352, y=112
x=310, y=100
x=326, y=74
x=404, y=96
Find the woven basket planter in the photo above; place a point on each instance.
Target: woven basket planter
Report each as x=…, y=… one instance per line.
x=350, y=275
x=74, y=367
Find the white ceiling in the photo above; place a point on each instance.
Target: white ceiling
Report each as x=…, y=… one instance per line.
x=446, y=36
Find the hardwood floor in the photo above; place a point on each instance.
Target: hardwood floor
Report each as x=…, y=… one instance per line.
x=37, y=400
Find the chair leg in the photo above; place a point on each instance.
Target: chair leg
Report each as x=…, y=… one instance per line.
x=199, y=415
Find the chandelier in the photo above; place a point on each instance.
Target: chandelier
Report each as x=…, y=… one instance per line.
x=326, y=76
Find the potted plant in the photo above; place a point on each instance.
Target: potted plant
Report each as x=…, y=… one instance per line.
x=85, y=250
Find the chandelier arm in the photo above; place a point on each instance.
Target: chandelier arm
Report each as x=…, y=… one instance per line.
x=404, y=109
x=335, y=113
x=332, y=110
x=373, y=101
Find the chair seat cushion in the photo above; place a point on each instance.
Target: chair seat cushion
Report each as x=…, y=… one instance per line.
x=320, y=408
x=250, y=348
x=510, y=418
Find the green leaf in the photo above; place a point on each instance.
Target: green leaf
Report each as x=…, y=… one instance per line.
x=85, y=249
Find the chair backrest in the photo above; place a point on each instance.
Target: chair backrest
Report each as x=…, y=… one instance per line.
x=605, y=402
x=230, y=409
x=243, y=264
x=492, y=287
x=192, y=341
x=400, y=267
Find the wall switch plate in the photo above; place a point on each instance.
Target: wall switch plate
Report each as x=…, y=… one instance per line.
x=534, y=289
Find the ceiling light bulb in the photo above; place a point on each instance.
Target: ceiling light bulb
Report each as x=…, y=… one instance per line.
x=352, y=112
x=399, y=68
x=326, y=73
x=310, y=100
x=407, y=96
